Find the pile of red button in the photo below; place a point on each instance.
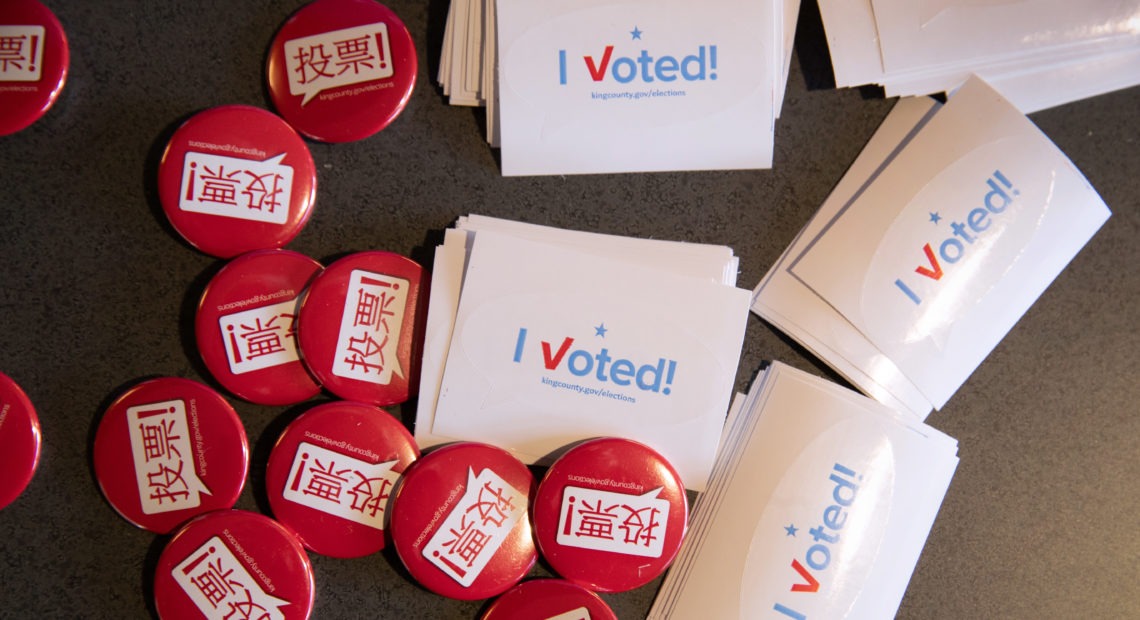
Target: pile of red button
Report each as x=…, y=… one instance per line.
x=237, y=178
x=468, y=522
x=275, y=327
x=171, y=455
x=33, y=69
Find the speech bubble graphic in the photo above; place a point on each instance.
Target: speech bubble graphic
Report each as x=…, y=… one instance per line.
x=476, y=527
x=246, y=189
x=163, y=457
x=340, y=485
x=260, y=337
x=221, y=587
x=21, y=55
x=370, y=327
x=614, y=522
x=338, y=58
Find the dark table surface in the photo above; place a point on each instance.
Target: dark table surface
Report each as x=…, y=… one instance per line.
x=97, y=291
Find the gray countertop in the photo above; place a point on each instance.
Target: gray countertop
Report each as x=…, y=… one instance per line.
x=97, y=291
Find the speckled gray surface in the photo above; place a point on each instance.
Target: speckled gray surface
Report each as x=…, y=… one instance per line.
x=97, y=291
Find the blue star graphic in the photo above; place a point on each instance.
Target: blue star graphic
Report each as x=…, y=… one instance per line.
x=600, y=330
x=635, y=32
x=791, y=529
x=934, y=217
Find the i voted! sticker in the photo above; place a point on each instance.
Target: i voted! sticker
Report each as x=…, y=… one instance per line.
x=813, y=548
x=954, y=242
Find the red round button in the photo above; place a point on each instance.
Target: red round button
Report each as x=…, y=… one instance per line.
x=34, y=59
x=233, y=564
x=19, y=440
x=167, y=450
x=341, y=70
x=331, y=473
x=237, y=178
x=460, y=522
x=610, y=514
x=547, y=599
x=245, y=327
x=361, y=327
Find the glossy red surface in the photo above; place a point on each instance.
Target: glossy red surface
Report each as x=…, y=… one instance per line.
x=331, y=474
x=252, y=353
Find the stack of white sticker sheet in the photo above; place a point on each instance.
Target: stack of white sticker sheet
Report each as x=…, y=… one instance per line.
x=818, y=507
x=947, y=228
x=593, y=86
x=465, y=74
x=795, y=309
x=539, y=337
x=1038, y=53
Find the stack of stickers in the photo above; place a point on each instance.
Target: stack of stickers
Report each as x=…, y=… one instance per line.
x=538, y=337
x=942, y=234
x=819, y=506
x=1038, y=53
x=600, y=86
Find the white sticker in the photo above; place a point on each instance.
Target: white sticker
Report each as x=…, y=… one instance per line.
x=21, y=53
x=261, y=337
x=614, y=522
x=953, y=244
x=338, y=58
x=370, y=328
x=340, y=485
x=476, y=527
x=244, y=189
x=163, y=457
x=222, y=588
x=580, y=613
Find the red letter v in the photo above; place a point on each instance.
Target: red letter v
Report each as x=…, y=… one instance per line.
x=596, y=72
x=935, y=273
x=810, y=585
x=551, y=362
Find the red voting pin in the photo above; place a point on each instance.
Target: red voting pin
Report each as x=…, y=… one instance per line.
x=237, y=178
x=19, y=440
x=233, y=564
x=610, y=514
x=460, y=521
x=331, y=474
x=167, y=450
x=245, y=327
x=547, y=599
x=361, y=327
x=341, y=70
x=34, y=59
